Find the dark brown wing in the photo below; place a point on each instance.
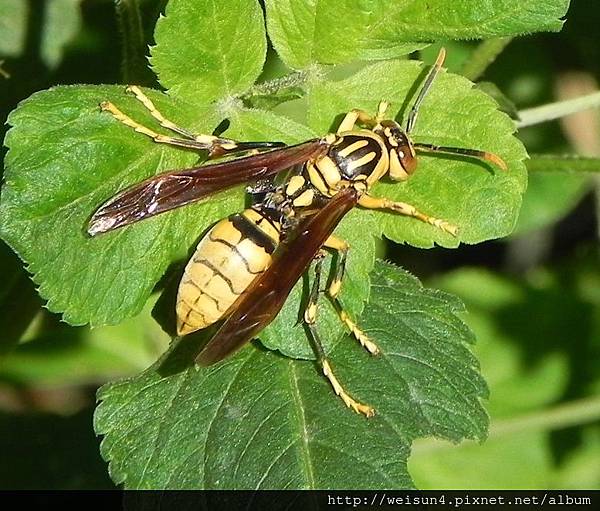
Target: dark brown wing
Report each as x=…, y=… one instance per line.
x=176, y=188
x=262, y=301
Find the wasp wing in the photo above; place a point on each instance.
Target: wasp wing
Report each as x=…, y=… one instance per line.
x=176, y=188
x=262, y=301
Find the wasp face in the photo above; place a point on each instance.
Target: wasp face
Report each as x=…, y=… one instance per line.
x=402, y=154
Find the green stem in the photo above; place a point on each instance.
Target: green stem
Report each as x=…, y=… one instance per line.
x=568, y=164
x=275, y=85
x=483, y=56
x=134, y=67
x=559, y=109
x=563, y=416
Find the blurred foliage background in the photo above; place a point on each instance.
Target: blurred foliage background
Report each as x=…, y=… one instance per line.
x=533, y=298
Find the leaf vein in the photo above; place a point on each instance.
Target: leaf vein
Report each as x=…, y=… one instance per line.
x=301, y=418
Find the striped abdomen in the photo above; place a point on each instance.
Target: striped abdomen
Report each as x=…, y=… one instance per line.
x=231, y=255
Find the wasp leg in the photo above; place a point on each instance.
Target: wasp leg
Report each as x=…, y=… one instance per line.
x=370, y=202
x=164, y=122
x=361, y=117
x=201, y=142
x=310, y=317
x=341, y=247
x=216, y=146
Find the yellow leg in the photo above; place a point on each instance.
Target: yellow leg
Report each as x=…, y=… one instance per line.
x=369, y=202
x=358, y=334
x=349, y=121
x=216, y=146
x=310, y=317
x=381, y=111
x=342, y=247
x=366, y=410
x=164, y=122
x=357, y=116
x=201, y=142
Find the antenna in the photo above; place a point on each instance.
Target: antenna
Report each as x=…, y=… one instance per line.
x=475, y=153
x=412, y=116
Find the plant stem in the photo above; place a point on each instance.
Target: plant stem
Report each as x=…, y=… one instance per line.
x=134, y=67
x=559, y=109
x=568, y=164
x=483, y=56
x=574, y=413
x=273, y=86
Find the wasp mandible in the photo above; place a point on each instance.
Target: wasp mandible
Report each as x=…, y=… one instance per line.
x=244, y=268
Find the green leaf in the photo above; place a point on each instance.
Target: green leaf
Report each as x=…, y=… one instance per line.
x=330, y=31
x=51, y=193
x=208, y=428
x=482, y=200
x=206, y=51
x=65, y=158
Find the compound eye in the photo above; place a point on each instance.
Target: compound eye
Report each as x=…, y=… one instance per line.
x=402, y=163
x=407, y=158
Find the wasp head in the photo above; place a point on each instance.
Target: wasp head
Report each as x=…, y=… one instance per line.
x=403, y=161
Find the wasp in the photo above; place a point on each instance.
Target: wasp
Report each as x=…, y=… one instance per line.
x=244, y=268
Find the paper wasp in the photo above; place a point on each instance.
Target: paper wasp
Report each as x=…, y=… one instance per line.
x=246, y=265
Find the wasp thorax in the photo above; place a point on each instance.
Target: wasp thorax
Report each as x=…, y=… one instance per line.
x=402, y=155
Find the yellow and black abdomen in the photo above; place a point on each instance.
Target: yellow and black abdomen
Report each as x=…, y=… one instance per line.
x=231, y=255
